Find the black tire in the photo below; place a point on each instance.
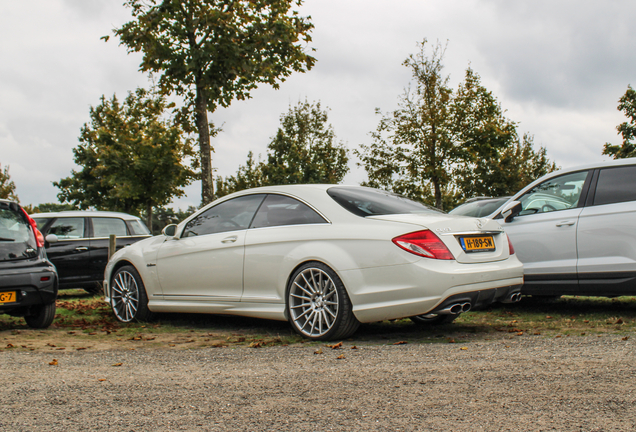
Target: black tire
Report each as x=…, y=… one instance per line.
x=423, y=320
x=128, y=297
x=547, y=298
x=41, y=316
x=315, y=290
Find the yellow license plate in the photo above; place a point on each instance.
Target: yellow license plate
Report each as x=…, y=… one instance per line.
x=478, y=244
x=7, y=297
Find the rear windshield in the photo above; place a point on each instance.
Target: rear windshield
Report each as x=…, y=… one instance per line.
x=16, y=237
x=373, y=202
x=479, y=208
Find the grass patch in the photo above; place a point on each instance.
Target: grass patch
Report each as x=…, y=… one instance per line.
x=85, y=321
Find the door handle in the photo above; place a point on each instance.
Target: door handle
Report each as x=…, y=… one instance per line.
x=231, y=239
x=565, y=223
x=81, y=248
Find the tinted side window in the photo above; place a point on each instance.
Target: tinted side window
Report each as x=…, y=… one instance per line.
x=104, y=227
x=278, y=210
x=68, y=228
x=559, y=193
x=616, y=185
x=230, y=215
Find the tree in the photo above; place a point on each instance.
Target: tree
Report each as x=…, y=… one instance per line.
x=304, y=150
x=7, y=186
x=441, y=145
x=132, y=157
x=627, y=129
x=211, y=52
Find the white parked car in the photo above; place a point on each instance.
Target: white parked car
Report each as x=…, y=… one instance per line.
x=324, y=257
x=575, y=230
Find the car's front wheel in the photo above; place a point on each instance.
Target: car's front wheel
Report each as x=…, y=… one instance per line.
x=318, y=306
x=41, y=316
x=128, y=296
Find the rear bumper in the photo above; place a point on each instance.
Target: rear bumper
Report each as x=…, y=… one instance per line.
x=33, y=286
x=421, y=288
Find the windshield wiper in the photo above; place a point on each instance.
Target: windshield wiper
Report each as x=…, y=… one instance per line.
x=6, y=239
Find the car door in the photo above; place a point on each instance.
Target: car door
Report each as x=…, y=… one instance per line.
x=101, y=230
x=607, y=234
x=544, y=233
x=282, y=225
x=70, y=253
x=206, y=261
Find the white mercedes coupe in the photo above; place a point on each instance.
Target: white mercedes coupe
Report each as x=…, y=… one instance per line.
x=324, y=257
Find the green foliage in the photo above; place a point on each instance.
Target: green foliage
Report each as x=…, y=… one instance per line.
x=442, y=146
x=211, y=52
x=304, y=150
x=49, y=207
x=163, y=216
x=131, y=157
x=627, y=129
x=7, y=186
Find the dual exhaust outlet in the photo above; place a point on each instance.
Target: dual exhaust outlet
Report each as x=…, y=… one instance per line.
x=454, y=309
x=513, y=298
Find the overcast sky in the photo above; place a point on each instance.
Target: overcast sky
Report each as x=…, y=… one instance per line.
x=557, y=67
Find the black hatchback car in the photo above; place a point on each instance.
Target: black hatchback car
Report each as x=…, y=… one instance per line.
x=28, y=280
x=77, y=243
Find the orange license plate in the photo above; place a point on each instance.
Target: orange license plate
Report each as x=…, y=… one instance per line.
x=7, y=297
x=478, y=244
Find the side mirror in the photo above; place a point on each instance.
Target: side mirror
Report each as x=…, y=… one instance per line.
x=510, y=210
x=51, y=238
x=169, y=230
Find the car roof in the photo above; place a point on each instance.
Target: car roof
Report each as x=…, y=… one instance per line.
x=85, y=213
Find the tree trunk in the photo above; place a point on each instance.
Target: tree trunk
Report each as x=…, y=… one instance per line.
x=149, y=217
x=207, y=186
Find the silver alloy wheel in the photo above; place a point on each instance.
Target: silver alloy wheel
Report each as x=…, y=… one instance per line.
x=125, y=296
x=313, y=302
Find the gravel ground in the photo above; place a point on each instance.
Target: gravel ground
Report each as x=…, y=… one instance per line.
x=565, y=384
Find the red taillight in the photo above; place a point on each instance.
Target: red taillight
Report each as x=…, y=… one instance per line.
x=38, y=235
x=510, y=247
x=425, y=244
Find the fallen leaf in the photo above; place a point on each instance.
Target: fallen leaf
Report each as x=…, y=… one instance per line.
x=53, y=363
x=255, y=345
x=463, y=348
x=10, y=346
x=548, y=317
x=586, y=321
x=340, y=357
x=625, y=338
x=51, y=345
x=354, y=347
x=451, y=340
x=318, y=351
x=60, y=349
x=400, y=343
x=520, y=333
x=557, y=336
x=92, y=333
x=102, y=379
x=117, y=364
x=619, y=321
x=537, y=333
x=335, y=346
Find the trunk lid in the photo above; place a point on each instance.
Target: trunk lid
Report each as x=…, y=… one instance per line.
x=460, y=234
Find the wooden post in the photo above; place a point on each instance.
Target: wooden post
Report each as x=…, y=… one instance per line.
x=112, y=245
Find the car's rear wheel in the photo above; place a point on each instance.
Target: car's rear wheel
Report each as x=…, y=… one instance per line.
x=318, y=306
x=41, y=316
x=128, y=296
x=433, y=319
